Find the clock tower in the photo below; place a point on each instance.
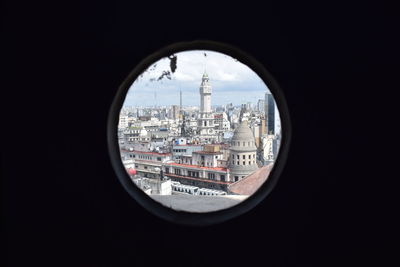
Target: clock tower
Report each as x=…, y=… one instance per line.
x=205, y=123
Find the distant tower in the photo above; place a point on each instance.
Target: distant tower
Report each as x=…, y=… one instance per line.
x=180, y=99
x=205, y=122
x=270, y=113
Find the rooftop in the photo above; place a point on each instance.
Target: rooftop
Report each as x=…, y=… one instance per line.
x=191, y=203
x=207, y=152
x=250, y=184
x=148, y=153
x=197, y=179
x=197, y=167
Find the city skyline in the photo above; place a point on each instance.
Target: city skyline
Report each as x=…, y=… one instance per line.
x=232, y=81
x=220, y=141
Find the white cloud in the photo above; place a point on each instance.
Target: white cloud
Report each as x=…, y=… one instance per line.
x=231, y=80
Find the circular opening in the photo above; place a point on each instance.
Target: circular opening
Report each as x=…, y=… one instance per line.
x=198, y=132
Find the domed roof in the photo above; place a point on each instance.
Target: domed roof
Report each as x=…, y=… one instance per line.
x=243, y=138
x=243, y=132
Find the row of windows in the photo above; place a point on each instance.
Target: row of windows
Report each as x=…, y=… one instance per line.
x=243, y=162
x=249, y=143
x=193, y=174
x=179, y=150
x=243, y=156
x=144, y=157
x=196, y=174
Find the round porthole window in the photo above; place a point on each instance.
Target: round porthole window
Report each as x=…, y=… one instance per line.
x=198, y=133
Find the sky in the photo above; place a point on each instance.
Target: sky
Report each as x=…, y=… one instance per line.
x=231, y=81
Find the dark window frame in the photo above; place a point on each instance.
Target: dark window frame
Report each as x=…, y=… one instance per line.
x=187, y=218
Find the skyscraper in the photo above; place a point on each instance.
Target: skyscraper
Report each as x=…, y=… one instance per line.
x=270, y=112
x=261, y=105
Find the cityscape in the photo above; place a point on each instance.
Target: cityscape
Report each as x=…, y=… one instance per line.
x=202, y=157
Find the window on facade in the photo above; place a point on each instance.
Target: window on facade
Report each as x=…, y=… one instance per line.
x=166, y=170
x=237, y=163
x=159, y=158
x=249, y=162
x=222, y=177
x=249, y=156
x=244, y=157
x=244, y=162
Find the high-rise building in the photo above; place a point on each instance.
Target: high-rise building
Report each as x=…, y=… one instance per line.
x=270, y=112
x=261, y=105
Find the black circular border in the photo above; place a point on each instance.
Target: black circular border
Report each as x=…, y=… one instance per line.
x=188, y=218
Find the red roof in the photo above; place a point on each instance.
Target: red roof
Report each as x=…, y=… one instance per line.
x=250, y=184
x=198, y=167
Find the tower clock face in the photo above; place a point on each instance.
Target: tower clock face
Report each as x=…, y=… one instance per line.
x=207, y=90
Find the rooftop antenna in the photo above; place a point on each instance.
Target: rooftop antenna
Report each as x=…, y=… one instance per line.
x=205, y=62
x=155, y=99
x=180, y=99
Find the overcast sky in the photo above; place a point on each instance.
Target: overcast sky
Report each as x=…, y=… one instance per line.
x=231, y=81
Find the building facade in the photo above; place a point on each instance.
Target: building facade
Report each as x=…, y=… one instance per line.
x=270, y=112
x=243, y=150
x=205, y=121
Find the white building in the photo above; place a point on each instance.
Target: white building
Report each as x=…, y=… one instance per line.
x=221, y=122
x=136, y=134
x=146, y=164
x=204, y=169
x=243, y=150
x=205, y=120
x=267, y=143
x=123, y=121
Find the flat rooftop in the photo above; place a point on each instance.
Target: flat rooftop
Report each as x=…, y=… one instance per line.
x=190, y=203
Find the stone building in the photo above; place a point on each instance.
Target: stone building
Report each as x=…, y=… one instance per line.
x=242, y=159
x=203, y=169
x=205, y=121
